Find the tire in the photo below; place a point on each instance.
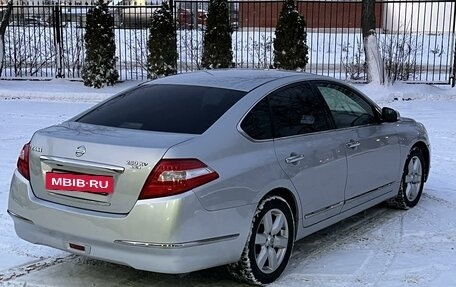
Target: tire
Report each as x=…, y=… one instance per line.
x=269, y=246
x=412, y=181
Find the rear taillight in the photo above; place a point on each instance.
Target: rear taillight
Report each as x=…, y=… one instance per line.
x=174, y=176
x=23, y=161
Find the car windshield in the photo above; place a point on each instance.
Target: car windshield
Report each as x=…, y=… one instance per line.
x=164, y=108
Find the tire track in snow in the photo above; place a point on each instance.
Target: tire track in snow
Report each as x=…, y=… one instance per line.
x=385, y=232
x=351, y=231
x=314, y=245
x=34, y=266
x=440, y=200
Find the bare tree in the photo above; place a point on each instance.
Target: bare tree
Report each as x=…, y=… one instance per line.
x=375, y=71
x=3, y=25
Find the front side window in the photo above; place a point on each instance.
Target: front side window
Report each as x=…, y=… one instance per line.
x=165, y=108
x=296, y=110
x=347, y=108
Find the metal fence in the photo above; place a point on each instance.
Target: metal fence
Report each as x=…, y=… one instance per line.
x=417, y=38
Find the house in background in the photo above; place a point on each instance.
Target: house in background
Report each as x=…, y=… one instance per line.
x=318, y=14
x=392, y=16
x=417, y=16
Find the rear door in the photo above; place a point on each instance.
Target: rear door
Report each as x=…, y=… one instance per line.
x=372, y=147
x=309, y=151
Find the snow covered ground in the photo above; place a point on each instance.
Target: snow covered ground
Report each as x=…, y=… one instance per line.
x=379, y=247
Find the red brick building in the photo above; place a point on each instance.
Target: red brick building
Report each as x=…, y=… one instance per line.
x=318, y=14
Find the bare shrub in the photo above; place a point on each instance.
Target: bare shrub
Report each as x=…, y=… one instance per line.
x=190, y=49
x=29, y=50
x=352, y=59
x=399, y=52
x=262, y=51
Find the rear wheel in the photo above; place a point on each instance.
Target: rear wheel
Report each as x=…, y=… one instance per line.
x=412, y=181
x=269, y=246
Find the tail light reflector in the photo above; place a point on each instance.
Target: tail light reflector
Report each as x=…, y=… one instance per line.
x=23, y=161
x=174, y=176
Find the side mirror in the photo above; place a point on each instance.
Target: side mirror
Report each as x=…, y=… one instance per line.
x=390, y=115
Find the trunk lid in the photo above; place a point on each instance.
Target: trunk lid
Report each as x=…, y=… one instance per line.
x=85, y=154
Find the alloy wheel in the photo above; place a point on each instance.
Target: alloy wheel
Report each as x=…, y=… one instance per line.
x=413, y=178
x=271, y=241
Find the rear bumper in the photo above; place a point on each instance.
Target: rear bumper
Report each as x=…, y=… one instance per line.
x=167, y=235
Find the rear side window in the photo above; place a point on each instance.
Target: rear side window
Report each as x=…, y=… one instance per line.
x=297, y=110
x=165, y=108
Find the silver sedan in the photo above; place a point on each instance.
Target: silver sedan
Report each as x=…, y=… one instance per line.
x=215, y=168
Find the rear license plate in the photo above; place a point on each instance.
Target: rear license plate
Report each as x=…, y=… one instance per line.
x=79, y=182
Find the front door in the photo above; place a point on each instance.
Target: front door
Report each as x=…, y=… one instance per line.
x=372, y=147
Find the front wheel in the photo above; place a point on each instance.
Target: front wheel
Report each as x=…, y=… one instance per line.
x=269, y=245
x=412, y=181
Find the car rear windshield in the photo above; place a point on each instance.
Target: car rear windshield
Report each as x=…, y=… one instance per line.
x=165, y=108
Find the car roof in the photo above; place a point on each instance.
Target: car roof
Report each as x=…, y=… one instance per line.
x=235, y=79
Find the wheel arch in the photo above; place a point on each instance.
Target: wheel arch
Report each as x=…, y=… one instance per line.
x=290, y=198
x=427, y=157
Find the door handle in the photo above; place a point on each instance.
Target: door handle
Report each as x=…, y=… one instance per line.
x=294, y=158
x=353, y=144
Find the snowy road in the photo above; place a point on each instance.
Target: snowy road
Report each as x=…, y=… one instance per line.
x=379, y=247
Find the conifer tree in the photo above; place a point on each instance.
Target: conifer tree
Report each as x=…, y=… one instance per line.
x=290, y=48
x=162, y=58
x=100, y=62
x=217, y=49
